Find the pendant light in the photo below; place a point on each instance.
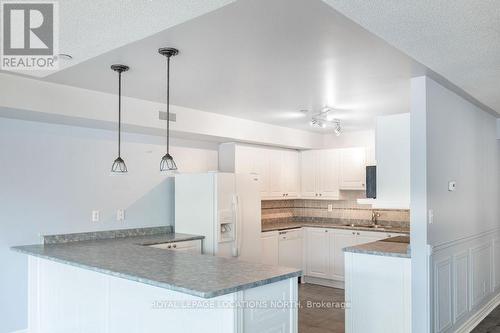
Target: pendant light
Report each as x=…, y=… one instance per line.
x=119, y=167
x=167, y=163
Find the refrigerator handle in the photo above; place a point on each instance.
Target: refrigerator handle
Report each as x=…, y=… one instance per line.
x=237, y=226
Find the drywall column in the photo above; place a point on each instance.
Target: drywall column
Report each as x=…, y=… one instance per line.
x=420, y=276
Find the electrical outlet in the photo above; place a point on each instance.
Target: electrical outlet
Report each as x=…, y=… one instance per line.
x=330, y=208
x=120, y=215
x=431, y=216
x=95, y=216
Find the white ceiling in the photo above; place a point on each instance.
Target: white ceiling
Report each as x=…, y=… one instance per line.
x=458, y=39
x=90, y=28
x=262, y=60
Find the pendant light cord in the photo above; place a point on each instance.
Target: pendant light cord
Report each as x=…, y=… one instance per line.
x=168, y=104
x=119, y=111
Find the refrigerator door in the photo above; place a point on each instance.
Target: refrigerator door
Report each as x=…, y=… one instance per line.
x=225, y=223
x=248, y=217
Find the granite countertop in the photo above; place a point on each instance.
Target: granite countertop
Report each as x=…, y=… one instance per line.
x=272, y=226
x=130, y=258
x=392, y=247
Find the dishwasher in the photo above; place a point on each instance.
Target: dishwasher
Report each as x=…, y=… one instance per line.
x=290, y=248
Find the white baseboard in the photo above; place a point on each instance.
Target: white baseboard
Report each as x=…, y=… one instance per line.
x=324, y=282
x=21, y=331
x=474, y=320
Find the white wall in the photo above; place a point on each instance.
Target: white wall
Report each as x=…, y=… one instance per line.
x=350, y=139
x=53, y=176
x=392, y=144
x=454, y=259
x=28, y=99
x=462, y=147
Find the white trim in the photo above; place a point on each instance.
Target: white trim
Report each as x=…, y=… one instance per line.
x=474, y=320
x=21, y=331
x=443, y=246
x=324, y=282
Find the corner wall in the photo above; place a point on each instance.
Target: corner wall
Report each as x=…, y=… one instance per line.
x=455, y=234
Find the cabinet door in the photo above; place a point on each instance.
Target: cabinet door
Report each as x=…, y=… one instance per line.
x=290, y=173
x=270, y=247
x=275, y=174
x=290, y=249
x=329, y=172
x=254, y=160
x=308, y=173
x=339, y=239
x=317, y=253
x=352, y=169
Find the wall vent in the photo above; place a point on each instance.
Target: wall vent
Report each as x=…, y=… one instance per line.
x=162, y=115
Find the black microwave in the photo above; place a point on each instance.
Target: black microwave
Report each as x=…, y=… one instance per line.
x=371, y=181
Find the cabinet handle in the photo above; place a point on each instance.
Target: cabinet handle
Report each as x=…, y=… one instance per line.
x=353, y=233
x=358, y=234
x=320, y=194
x=170, y=246
x=326, y=230
x=175, y=245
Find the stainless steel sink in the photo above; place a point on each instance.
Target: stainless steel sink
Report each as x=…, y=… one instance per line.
x=376, y=226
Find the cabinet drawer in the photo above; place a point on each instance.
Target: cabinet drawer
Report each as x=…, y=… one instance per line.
x=193, y=246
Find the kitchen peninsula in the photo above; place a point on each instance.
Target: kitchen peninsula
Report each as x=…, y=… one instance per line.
x=129, y=281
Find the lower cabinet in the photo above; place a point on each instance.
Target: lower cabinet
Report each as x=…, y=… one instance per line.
x=317, y=252
x=323, y=249
x=193, y=246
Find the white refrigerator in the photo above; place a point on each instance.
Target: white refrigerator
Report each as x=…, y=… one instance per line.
x=223, y=207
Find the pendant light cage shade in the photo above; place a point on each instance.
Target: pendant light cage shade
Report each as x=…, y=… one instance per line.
x=167, y=164
x=119, y=166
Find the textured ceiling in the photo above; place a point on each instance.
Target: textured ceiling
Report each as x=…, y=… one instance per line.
x=263, y=60
x=458, y=39
x=90, y=28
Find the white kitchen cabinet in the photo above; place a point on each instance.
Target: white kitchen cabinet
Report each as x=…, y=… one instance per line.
x=255, y=161
x=317, y=254
x=270, y=247
x=320, y=171
x=329, y=163
x=290, y=248
x=278, y=170
x=352, y=168
x=290, y=166
x=283, y=174
x=193, y=246
x=324, y=255
x=309, y=173
x=340, y=239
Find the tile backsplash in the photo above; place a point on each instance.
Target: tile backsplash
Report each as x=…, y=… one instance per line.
x=349, y=209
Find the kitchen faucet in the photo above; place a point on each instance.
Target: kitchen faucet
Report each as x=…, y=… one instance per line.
x=375, y=216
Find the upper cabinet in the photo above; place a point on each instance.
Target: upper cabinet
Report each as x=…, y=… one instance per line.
x=277, y=169
x=320, y=171
x=288, y=174
x=352, y=168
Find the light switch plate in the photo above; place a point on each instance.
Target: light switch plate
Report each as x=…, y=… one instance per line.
x=95, y=216
x=120, y=215
x=431, y=216
x=452, y=185
x=330, y=208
